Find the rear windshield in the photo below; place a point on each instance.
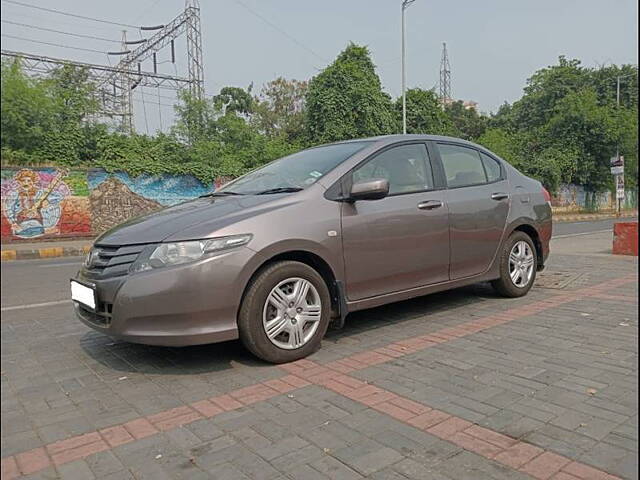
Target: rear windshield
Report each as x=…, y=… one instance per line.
x=295, y=171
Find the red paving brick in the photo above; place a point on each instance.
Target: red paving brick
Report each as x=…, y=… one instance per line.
x=490, y=436
x=174, y=418
x=406, y=404
x=518, y=455
x=473, y=444
x=206, y=408
x=429, y=419
x=253, y=394
x=9, y=469
x=545, y=465
x=79, y=452
x=62, y=445
x=449, y=427
x=394, y=411
x=117, y=435
x=225, y=402
x=279, y=385
x=140, y=428
x=33, y=460
x=378, y=397
x=295, y=381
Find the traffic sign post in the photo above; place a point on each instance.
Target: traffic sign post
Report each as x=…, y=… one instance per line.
x=617, y=169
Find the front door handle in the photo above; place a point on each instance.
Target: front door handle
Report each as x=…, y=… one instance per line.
x=429, y=204
x=499, y=196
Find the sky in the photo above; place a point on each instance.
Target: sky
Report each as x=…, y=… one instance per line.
x=494, y=45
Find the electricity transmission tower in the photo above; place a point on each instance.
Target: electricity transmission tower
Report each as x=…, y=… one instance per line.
x=115, y=84
x=445, y=77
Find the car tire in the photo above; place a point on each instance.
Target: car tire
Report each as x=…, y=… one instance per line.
x=258, y=312
x=506, y=285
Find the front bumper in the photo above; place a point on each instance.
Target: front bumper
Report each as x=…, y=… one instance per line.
x=191, y=304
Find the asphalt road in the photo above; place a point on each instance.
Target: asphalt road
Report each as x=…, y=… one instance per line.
x=562, y=229
x=40, y=288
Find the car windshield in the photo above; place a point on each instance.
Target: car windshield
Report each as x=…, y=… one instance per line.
x=294, y=172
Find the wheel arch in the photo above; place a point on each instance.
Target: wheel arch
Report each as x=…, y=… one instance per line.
x=528, y=227
x=313, y=260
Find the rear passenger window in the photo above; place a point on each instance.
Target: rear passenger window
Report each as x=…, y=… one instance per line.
x=462, y=166
x=492, y=167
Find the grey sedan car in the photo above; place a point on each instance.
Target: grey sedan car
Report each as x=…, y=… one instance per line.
x=276, y=255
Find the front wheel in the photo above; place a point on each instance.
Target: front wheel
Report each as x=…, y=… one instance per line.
x=285, y=312
x=518, y=262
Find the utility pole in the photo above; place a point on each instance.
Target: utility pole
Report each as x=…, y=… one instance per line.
x=445, y=77
x=618, y=142
x=126, y=92
x=405, y=5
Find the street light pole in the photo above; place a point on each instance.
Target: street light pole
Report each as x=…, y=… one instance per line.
x=405, y=4
x=619, y=201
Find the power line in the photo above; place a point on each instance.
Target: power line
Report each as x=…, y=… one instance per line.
x=51, y=10
x=283, y=32
x=60, y=31
x=53, y=44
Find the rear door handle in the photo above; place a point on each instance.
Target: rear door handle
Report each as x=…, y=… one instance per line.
x=429, y=204
x=499, y=196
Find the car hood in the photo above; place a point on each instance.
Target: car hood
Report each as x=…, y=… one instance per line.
x=191, y=220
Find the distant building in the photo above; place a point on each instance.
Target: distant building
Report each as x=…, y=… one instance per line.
x=467, y=104
x=470, y=104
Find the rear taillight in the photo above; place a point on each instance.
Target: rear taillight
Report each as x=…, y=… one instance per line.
x=547, y=195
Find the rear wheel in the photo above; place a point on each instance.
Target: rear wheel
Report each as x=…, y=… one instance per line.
x=518, y=262
x=285, y=312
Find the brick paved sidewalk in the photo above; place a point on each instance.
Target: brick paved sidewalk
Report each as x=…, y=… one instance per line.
x=456, y=385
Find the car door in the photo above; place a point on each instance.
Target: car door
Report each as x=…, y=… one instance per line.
x=401, y=241
x=478, y=199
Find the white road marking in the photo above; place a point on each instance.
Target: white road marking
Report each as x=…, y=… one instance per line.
x=34, y=305
x=582, y=233
x=72, y=264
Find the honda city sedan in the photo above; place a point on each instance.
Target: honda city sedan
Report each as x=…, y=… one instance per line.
x=276, y=255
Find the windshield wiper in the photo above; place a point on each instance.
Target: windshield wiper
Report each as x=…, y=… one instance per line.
x=280, y=190
x=220, y=194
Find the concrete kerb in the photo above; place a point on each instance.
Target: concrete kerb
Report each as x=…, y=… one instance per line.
x=44, y=252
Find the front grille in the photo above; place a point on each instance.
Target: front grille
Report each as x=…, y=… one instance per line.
x=102, y=315
x=107, y=261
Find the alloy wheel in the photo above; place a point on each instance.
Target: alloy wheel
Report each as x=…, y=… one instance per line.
x=521, y=264
x=291, y=313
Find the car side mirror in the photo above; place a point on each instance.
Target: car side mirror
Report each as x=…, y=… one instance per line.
x=369, y=190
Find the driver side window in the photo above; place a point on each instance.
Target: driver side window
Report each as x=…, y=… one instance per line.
x=407, y=168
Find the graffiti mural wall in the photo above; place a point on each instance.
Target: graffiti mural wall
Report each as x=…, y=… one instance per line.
x=44, y=202
x=40, y=203
x=117, y=197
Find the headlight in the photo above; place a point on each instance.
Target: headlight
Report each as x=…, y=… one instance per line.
x=168, y=254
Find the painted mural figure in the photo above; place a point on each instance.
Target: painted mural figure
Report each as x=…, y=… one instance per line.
x=32, y=202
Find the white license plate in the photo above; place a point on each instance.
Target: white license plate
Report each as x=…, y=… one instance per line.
x=83, y=294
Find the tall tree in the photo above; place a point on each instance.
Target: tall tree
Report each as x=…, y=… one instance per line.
x=279, y=109
x=346, y=100
x=468, y=123
x=424, y=113
x=26, y=109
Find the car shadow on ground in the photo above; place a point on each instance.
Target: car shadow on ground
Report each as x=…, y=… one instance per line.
x=219, y=357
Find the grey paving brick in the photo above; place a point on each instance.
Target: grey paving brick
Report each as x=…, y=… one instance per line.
x=334, y=469
x=610, y=458
x=103, y=463
x=367, y=457
x=77, y=470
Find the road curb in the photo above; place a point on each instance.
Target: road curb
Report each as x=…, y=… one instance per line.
x=560, y=218
x=45, y=252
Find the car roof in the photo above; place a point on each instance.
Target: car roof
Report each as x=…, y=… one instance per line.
x=388, y=139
